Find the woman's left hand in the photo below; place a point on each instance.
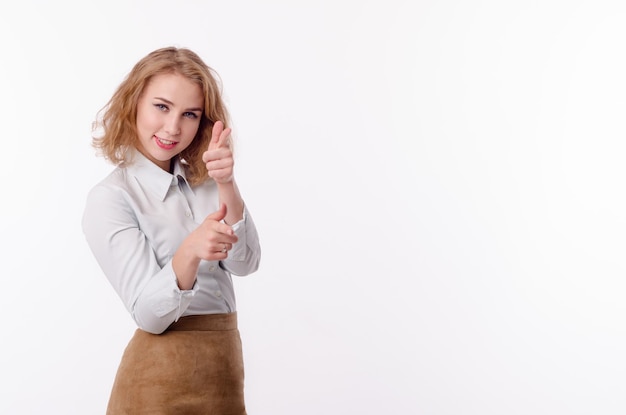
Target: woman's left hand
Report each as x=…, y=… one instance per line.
x=219, y=156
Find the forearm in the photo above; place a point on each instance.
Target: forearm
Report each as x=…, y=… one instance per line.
x=230, y=196
x=185, y=265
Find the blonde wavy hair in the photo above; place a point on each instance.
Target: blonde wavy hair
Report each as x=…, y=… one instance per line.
x=117, y=119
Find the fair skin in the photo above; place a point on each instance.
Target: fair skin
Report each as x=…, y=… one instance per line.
x=168, y=117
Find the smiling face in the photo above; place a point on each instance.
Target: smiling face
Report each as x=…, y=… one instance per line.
x=168, y=116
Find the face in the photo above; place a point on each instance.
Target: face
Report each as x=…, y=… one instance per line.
x=168, y=116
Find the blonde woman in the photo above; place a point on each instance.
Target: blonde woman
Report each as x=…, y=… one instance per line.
x=169, y=227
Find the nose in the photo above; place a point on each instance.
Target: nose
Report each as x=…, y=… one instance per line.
x=172, y=127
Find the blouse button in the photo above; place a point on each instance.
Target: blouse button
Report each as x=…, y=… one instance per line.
x=188, y=214
x=212, y=268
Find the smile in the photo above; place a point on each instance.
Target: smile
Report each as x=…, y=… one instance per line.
x=164, y=144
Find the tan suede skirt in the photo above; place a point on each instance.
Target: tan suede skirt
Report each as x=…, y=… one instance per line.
x=194, y=367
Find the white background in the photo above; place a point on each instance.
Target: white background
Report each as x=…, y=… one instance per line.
x=438, y=186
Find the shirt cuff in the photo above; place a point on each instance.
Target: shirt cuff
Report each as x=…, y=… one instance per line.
x=238, y=251
x=162, y=302
x=175, y=298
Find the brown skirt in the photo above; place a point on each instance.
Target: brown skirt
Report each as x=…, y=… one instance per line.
x=194, y=367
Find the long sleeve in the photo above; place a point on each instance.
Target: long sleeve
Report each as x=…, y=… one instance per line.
x=147, y=288
x=245, y=256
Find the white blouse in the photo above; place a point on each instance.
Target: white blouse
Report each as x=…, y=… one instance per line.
x=135, y=219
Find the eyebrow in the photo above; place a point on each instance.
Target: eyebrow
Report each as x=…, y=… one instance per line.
x=167, y=101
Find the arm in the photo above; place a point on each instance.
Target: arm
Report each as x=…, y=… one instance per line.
x=230, y=196
x=147, y=288
x=245, y=255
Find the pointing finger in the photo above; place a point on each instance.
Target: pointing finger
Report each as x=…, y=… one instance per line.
x=216, y=135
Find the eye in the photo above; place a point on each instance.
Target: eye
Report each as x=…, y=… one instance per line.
x=161, y=107
x=191, y=115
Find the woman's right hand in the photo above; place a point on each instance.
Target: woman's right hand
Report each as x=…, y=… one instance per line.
x=213, y=239
x=210, y=241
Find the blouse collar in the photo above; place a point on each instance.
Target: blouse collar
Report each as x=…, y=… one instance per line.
x=153, y=177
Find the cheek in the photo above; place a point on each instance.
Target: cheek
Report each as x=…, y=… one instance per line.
x=141, y=120
x=191, y=129
x=147, y=122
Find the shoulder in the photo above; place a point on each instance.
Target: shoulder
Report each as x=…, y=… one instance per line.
x=118, y=177
x=110, y=191
x=116, y=180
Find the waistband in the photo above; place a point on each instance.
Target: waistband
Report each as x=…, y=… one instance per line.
x=206, y=322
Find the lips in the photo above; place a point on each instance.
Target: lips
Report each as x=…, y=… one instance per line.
x=164, y=144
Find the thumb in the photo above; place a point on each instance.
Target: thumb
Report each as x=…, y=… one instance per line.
x=219, y=214
x=216, y=132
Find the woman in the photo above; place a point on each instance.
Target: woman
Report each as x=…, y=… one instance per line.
x=168, y=227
